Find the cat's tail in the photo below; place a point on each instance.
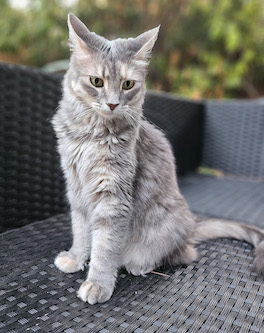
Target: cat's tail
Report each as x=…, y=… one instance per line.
x=216, y=228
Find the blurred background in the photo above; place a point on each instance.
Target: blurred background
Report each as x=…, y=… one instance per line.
x=206, y=48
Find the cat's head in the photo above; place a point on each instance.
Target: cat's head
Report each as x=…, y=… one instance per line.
x=108, y=77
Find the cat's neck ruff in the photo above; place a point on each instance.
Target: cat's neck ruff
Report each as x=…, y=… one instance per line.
x=83, y=122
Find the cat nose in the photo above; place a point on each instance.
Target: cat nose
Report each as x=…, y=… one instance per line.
x=112, y=106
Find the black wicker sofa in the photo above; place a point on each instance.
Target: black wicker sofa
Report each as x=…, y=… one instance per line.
x=218, y=293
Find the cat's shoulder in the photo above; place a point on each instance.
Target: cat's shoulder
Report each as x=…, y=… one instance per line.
x=150, y=130
x=153, y=138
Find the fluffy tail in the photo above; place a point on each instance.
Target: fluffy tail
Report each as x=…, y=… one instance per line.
x=215, y=228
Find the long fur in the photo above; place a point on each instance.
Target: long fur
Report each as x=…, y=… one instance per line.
x=215, y=228
x=126, y=206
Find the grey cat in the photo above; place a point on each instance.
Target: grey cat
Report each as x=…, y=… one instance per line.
x=126, y=207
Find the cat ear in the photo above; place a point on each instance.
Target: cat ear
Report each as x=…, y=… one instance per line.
x=81, y=39
x=146, y=42
x=78, y=33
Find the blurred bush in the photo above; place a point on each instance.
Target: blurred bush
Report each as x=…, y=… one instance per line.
x=206, y=48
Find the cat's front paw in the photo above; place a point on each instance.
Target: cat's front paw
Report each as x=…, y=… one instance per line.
x=67, y=264
x=93, y=293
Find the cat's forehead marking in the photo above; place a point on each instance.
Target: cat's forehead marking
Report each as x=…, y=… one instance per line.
x=116, y=70
x=129, y=72
x=103, y=70
x=106, y=72
x=123, y=70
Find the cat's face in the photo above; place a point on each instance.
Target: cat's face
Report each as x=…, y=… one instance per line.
x=108, y=77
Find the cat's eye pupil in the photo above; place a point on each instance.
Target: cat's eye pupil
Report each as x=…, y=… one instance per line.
x=128, y=84
x=97, y=82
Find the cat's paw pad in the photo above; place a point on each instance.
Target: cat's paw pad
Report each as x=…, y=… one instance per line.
x=65, y=263
x=93, y=293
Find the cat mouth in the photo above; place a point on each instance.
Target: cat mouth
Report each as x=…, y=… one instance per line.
x=106, y=114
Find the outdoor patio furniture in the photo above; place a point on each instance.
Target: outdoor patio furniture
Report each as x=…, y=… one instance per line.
x=218, y=293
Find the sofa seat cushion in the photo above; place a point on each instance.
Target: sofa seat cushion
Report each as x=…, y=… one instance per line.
x=216, y=292
x=227, y=198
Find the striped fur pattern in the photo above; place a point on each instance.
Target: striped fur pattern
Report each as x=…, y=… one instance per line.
x=126, y=207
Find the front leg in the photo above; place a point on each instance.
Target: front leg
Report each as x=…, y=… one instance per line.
x=108, y=241
x=74, y=260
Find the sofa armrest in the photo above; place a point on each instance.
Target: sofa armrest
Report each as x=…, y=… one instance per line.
x=31, y=183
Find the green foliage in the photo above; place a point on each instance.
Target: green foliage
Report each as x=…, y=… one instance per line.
x=34, y=36
x=206, y=48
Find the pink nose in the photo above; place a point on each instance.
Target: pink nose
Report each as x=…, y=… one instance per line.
x=112, y=106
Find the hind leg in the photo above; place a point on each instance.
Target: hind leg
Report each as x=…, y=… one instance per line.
x=137, y=270
x=183, y=257
x=140, y=259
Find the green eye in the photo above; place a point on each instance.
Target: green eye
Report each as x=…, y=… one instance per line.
x=128, y=85
x=95, y=81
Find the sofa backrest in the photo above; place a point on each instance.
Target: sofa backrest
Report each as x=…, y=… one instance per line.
x=31, y=182
x=225, y=135
x=234, y=137
x=182, y=120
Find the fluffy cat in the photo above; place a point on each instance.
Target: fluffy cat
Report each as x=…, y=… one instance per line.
x=126, y=207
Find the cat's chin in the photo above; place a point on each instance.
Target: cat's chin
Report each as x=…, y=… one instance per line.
x=107, y=115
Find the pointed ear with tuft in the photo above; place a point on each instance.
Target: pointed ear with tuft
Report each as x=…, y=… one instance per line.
x=81, y=39
x=146, y=42
x=78, y=33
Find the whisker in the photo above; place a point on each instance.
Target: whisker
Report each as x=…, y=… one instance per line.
x=131, y=117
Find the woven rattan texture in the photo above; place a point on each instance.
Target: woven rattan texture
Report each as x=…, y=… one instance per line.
x=182, y=121
x=234, y=137
x=219, y=293
x=31, y=184
x=233, y=199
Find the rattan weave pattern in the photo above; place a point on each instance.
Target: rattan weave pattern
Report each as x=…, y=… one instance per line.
x=219, y=293
x=234, y=137
x=31, y=183
x=183, y=123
